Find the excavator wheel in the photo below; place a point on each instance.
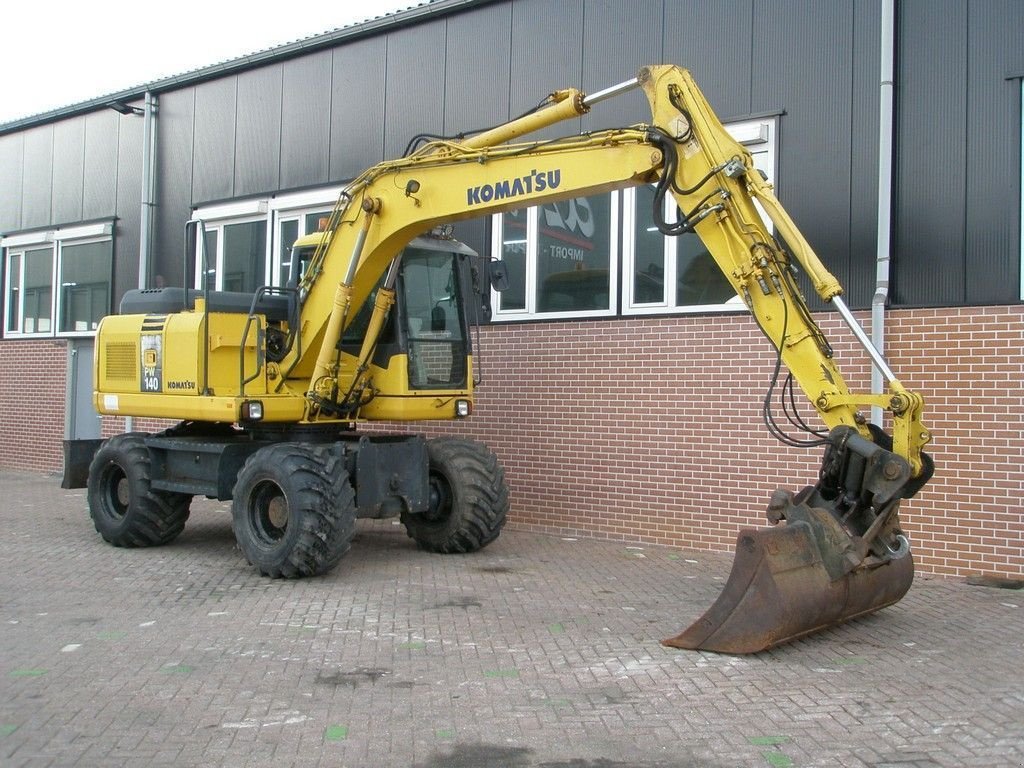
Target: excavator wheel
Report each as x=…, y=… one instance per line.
x=294, y=510
x=468, y=498
x=125, y=509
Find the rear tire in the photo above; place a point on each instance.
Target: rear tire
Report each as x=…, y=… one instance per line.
x=294, y=510
x=468, y=498
x=124, y=507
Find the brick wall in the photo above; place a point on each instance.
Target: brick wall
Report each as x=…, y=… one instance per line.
x=650, y=430
x=33, y=377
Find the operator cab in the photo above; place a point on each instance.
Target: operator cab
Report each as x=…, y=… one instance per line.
x=429, y=323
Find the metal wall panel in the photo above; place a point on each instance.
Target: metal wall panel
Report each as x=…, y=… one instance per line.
x=414, y=85
x=477, y=69
x=992, y=245
x=632, y=32
x=68, y=165
x=866, y=92
x=12, y=159
x=99, y=185
x=306, y=121
x=129, y=206
x=174, y=188
x=258, y=131
x=546, y=55
x=357, y=107
x=37, y=182
x=713, y=41
x=931, y=153
x=213, y=154
x=803, y=63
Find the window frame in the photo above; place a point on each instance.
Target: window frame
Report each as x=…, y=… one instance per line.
x=758, y=134
x=529, y=311
x=272, y=211
x=53, y=240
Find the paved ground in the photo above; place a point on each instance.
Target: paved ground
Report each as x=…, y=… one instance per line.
x=538, y=651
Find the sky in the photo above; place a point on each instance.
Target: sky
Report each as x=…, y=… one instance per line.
x=61, y=52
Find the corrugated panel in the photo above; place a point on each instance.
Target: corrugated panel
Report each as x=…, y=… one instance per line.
x=931, y=152
x=306, y=121
x=477, y=83
x=803, y=63
x=12, y=158
x=214, y=150
x=860, y=280
x=129, y=205
x=414, y=87
x=357, y=107
x=546, y=55
x=713, y=41
x=174, y=163
x=68, y=165
x=993, y=253
x=100, y=172
x=37, y=183
x=258, y=131
x=633, y=32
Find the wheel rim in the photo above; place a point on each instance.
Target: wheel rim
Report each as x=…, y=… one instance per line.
x=268, y=512
x=118, y=492
x=440, y=498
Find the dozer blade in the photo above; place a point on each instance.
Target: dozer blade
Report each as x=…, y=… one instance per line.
x=779, y=590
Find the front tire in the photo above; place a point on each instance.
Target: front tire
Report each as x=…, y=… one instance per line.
x=468, y=498
x=294, y=510
x=124, y=507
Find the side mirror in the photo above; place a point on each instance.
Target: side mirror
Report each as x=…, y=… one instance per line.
x=497, y=274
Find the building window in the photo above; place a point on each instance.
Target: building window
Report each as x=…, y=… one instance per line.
x=563, y=258
x=248, y=243
x=63, y=274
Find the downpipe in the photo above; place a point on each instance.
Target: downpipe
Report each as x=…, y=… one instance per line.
x=885, y=164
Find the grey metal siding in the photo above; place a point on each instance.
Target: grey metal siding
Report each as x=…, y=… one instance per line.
x=859, y=280
x=12, y=159
x=99, y=183
x=715, y=47
x=306, y=121
x=258, y=131
x=324, y=116
x=129, y=206
x=68, y=165
x=931, y=154
x=37, y=182
x=992, y=237
x=546, y=54
x=414, y=85
x=174, y=168
x=803, y=63
x=213, y=157
x=476, y=84
x=357, y=107
x=625, y=29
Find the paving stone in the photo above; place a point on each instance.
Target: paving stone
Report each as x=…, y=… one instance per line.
x=536, y=652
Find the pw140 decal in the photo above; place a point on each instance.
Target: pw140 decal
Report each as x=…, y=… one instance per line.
x=534, y=181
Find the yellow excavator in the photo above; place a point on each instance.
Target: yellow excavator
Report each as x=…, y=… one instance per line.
x=269, y=388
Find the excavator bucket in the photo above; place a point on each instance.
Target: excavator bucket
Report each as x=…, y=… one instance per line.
x=779, y=590
x=835, y=553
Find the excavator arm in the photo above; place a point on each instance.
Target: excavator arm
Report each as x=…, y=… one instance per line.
x=836, y=549
x=286, y=371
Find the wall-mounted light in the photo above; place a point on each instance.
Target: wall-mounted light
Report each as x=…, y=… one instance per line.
x=125, y=109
